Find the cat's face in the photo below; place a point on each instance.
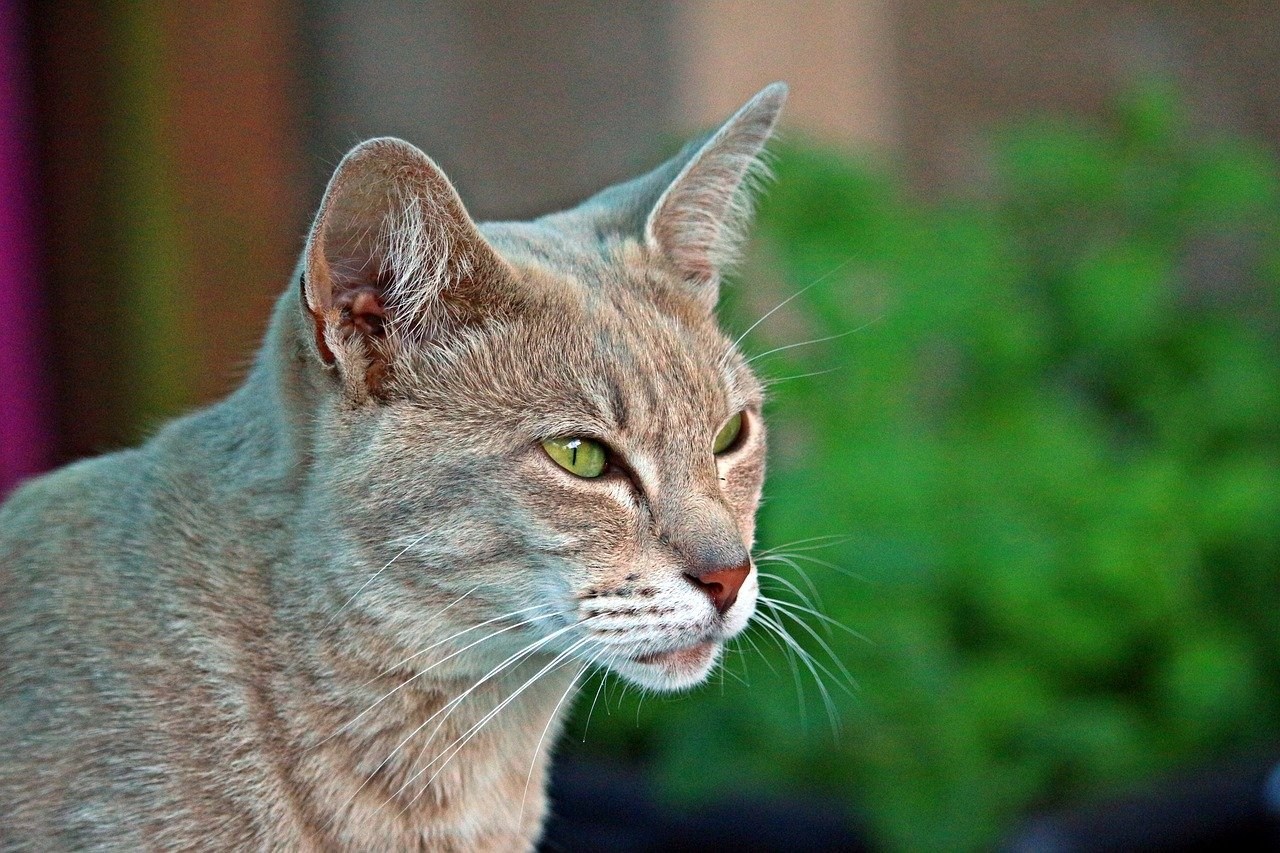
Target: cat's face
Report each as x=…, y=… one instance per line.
x=565, y=332
x=649, y=558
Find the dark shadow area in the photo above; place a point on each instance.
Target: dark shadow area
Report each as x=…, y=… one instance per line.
x=1226, y=808
x=600, y=807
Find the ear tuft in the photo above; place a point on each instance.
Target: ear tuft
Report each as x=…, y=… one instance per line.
x=700, y=221
x=391, y=245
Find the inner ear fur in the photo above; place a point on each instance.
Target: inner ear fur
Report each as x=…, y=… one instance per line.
x=700, y=220
x=392, y=259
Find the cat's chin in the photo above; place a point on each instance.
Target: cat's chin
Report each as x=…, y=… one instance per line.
x=675, y=669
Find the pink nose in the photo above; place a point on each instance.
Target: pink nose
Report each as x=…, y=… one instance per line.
x=722, y=584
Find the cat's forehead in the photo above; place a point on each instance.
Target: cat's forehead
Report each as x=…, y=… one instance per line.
x=606, y=338
x=587, y=264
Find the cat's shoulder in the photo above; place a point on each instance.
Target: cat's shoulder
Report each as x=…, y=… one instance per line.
x=72, y=495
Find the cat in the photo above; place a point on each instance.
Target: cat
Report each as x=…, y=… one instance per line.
x=347, y=607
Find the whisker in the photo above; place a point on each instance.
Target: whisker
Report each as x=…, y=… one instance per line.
x=771, y=632
x=747, y=638
x=732, y=646
x=783, y=609
x=427, y=669
x=453, y=703
x=775, y=309
x=375, y=577
x=457, y=746
x=601, y=659
x=824, y=617
x=810, y=663
x=824, y=339
x=803, y=575
x=467, y=630
x=770, y=381
x=573, y=682
x=829, y=540
x=590, y=711
x=779, y=557
x=826, y=275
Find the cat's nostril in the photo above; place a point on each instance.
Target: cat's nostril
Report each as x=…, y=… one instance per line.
x=721, y=585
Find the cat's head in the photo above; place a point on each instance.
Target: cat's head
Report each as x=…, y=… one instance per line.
x=540, y=423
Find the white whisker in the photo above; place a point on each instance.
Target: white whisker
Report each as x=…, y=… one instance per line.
x=817, y=599
x=375, y=576
x=791, y=555
x=819, y=615
x=452, y=750
x=829, y=540
x=824, y=339
x=849, y=683
x=826, y=275
x=573, y=682
x=453, y=703
x=771, y=632
x=427, y=669
x=464, y=631
x=810, y=663
x=603, y=676
x=770, y=381
x=775, y=309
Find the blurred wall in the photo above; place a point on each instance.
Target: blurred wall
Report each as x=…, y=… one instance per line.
x=171, y=211
x=528, y=106
x=184, y=146
x=839, y=56
x=967, y=66
x=24, y=401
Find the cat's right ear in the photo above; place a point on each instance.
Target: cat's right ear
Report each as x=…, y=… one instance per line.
x=392, y=255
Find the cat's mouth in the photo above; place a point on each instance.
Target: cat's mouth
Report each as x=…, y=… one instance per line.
x=672, y=669
x=688, y=657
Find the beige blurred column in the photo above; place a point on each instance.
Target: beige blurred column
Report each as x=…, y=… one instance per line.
x=837, y=55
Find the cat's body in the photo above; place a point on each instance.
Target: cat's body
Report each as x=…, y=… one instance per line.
x=346, y=607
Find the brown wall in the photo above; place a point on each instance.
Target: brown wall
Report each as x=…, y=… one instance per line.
x=528, y=106
x=969, y=65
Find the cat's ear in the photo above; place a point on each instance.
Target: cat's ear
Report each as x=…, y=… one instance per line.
x=392, y=256
x=700, y=220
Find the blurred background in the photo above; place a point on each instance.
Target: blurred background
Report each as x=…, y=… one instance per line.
x=1030, y=479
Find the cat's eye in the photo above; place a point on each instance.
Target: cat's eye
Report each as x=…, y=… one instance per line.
x=728, y=434
x=580, y=456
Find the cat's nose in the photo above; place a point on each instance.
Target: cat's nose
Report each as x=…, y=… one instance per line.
x=721, y=583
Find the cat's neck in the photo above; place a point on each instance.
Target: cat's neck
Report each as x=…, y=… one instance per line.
x=408, y=750
x=415, y=750
x=284, y=386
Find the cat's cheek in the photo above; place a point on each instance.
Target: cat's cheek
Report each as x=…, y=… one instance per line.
x=742, y=485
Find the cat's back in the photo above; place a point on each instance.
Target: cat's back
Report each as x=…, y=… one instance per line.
x=128, y=612
x=62, y=540
x=64, y=571
x=87, y=499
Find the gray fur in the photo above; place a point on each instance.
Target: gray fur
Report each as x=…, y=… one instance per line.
x=219, y=639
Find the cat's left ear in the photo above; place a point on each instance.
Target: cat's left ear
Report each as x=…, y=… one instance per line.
x=700, y=220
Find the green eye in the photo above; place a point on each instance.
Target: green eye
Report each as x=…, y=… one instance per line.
x=580, y=456
x=728, y=434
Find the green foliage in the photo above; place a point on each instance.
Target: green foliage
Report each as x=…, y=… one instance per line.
x=1053, y=448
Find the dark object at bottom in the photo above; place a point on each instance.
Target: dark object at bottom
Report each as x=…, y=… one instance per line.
x=1232, y=808
x=596, y=807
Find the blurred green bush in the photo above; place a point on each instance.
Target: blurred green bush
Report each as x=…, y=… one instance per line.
x=1050, y=439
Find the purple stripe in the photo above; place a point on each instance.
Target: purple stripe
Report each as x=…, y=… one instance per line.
x=25, y=445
